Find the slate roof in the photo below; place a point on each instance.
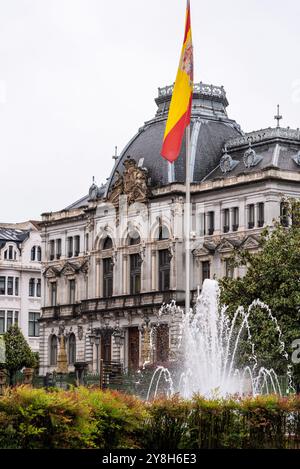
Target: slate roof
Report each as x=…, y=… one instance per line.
x=210, y=129
x=12, y=235
x=276, y=148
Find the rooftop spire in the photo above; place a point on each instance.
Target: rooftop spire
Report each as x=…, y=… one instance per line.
x=278, y=117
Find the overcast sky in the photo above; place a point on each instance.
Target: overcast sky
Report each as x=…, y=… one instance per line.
x=78, y=77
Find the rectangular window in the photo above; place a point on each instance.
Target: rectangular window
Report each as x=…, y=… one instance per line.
x=72, y=291
x=70, y=246
x=32, y=287
x=58, y=248
x=10, y=253
x=211, y=223
x=17, y=286
x=76, y=246
x=38, y=287
x=202, y=224
x=87, y=242
x=251, y=221
x=226, y=221
x=10, y=286
x=53, y=293
x=235, y=219
x=33, y=325
x=135, y=274
x=164, y=270
x=51, y=250
x=107, y=277
x=16, y=318
x=261, y=215
x=9, y=319
x=2, y=285
x=2, y=322
x=205, y=270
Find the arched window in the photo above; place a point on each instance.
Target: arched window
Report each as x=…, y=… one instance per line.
x=33, y=253
x=108, y=277
x=72, y=349
x=107, y=244
x=36, y=254
x=10, y=254
x=163, y=233
x=53, y=350
x=134, y=238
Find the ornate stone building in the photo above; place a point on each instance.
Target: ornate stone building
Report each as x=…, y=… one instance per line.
x=20, y=279
x=115, y=256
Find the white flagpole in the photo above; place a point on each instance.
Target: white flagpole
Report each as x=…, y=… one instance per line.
x=187, y=219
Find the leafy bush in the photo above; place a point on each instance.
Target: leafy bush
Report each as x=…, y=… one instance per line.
x=91, y=418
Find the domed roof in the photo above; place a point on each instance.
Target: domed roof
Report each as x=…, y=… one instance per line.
x=210, y=129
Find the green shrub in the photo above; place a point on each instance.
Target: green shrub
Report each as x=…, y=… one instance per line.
x=90, y=418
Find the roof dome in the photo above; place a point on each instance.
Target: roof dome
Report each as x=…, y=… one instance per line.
x=210, y=129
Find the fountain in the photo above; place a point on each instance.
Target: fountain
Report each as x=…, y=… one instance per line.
x=209, y=346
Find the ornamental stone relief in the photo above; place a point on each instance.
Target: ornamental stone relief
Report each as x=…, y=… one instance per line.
x=133, y=183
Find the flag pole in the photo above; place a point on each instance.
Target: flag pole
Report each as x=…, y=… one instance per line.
x=187, y=219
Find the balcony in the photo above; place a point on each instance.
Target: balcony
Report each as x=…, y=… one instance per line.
x=250, y=225
x=115, y=303
x=235, y=227
x=260, y=223
x=226, y=229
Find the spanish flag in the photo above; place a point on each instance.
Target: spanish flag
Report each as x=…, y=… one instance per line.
x=181, y=104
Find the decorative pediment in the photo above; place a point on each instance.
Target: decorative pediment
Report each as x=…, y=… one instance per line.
x=69, y=269
x=51, y=272
x=228, y=245
x=133, y=183
x=251, y=242
x=207, y=249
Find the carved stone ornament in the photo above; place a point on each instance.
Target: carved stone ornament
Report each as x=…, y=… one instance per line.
x=68, y=269
x=227, y=164
x=132, y=183
x=80, y=332
x=251, y=158
x=297, y=158
x=51, y=272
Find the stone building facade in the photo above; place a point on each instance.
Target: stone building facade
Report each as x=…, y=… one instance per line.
x=115, y=256
x=20, y=279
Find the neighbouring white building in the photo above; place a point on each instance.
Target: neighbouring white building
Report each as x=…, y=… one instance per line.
x=20, y=279
x=112, y=258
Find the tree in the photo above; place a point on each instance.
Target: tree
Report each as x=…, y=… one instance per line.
x=273, y=276
x=18, y=353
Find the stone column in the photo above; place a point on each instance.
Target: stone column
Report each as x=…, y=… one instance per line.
x=125, y=274
x=247, y=217
x=222, y=220
x=242, y=215
x=231, y=219
x=153, y=270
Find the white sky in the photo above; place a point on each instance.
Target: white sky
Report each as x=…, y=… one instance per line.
x=78, y=77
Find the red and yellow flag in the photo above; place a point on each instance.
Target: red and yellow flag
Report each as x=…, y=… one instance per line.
x=181, y=104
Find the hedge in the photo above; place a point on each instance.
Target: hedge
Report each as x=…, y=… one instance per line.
x=85, y=418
